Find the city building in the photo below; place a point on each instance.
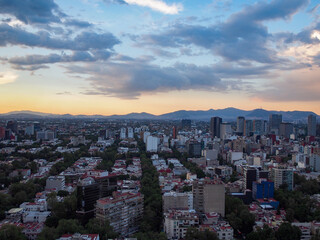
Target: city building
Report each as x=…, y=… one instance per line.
x=89, y=190
x=312, y=125
x=209, y=196
x=248, y=129
x=175, y=200
x=215, y=123
x=123, y=211
x=274, y=123
x=286, y=129
x=262, y=189
x=152, y=144
x=55, y=182
x=240, y=125
x=177, y=222
x=282, y=176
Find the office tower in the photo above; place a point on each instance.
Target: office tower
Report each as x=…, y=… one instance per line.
x=251, y=175
x=312, y=125
x=240, y=125
x=194, y=149
x=282, y=176
x=215, y=123
x=225, y=130
x=13, y=126
x=89, y=190
x=123, y=211
x=286, y=129
x=186, y=123
x=258, y=126
x=248, y=127
x=274, y=123
x=209, y=196
x=177, y=222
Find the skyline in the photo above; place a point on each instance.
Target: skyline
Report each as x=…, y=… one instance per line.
x=121, y=56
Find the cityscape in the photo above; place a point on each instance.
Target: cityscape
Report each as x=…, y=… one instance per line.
x=159, y=120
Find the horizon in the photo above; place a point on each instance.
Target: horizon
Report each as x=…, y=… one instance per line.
x=26, y=111
x=114, y=57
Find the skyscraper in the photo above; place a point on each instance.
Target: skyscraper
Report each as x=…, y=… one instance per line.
x=248, y=129
x=286, y=129
x=274, y=123
x=312, y=125
x=240, y=125
x=215, y=126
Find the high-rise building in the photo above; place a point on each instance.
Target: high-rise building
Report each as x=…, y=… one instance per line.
x=312, y=125
x=251, y=175
x=152, y=144
x=274, y=123
x=282, y=176
x=248, y=129
x=194, y=149
x=13, y=126
x=286, y=129
x=89, y=190
x=2, y=132
x=225, y=130
x=209, y=196
x=174, y=132
x=123, y=133
x=130, y=132
x=215, y=123
x=123, y=211
x=240, y=125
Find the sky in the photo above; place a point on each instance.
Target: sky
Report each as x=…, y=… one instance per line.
x=120, y=56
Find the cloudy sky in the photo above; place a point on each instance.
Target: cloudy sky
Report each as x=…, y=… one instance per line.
x=120, y=56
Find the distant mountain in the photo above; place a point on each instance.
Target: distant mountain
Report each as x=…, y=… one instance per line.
x=227, y=114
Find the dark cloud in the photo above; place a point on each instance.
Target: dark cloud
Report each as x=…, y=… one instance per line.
x=242, y=37
x=32, y=11
x=130, y=80
x=77, y=23
x=39, y=60
x=82, y=42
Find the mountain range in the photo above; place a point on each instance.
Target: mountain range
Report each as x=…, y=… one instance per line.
x=204, y=115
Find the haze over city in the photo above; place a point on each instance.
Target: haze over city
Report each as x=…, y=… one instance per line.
x=121, y=56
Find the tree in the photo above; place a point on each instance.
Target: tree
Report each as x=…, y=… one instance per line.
x=195, y=234
x=11, y=232
x=288, y=232
x=104, y=229
x=265, y=233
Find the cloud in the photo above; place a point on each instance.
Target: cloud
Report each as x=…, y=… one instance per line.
x=38, y=60
x=299, y=85
x=156, y=5
x=241, y=37
x=84, y=41
x=7, y=77
x=77, y=23
x=32, y=11
x=130, y=79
